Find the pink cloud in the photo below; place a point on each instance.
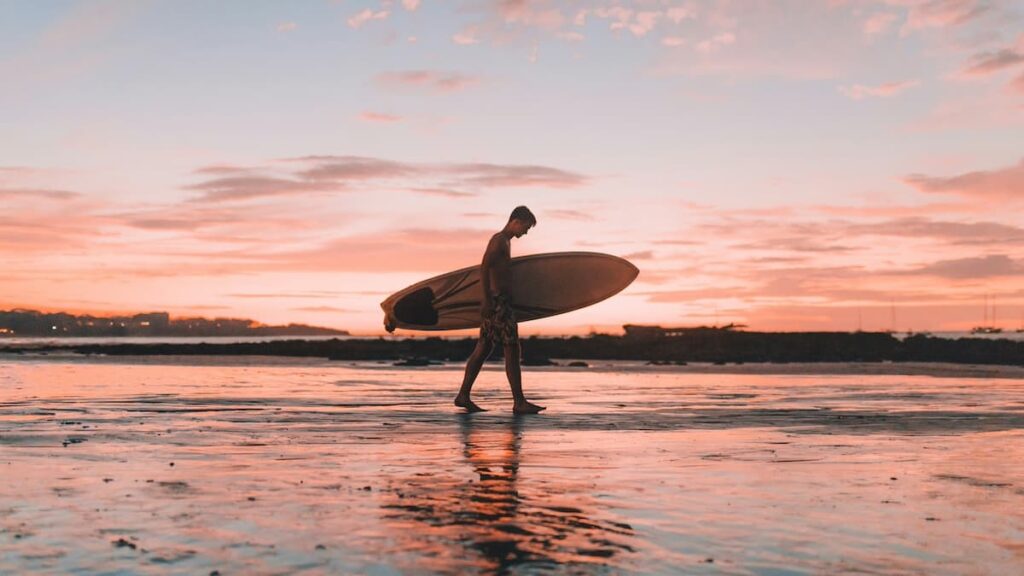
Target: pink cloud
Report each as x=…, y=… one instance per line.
x=878, y=23
x=999, y=184
x=512, y=175
x=222, y=169
x=679, y=13
x=896, y=211
x=366, y=15
x=445, y=192
x=325, y=294
x=327, y=309
x=411, y=5
x=410, y=250
x=641, y=255
x=886, y=90
x=468, y=36
x=569, y=215
x=715, y=42
x=287, y=27
x=432, y=80
x=379, y=117
x=673, y=41
x=941, y=13
x=528, y=13
x=1017, y=85
x=966, y=233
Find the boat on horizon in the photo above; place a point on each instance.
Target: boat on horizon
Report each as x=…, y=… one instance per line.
x=987, y=330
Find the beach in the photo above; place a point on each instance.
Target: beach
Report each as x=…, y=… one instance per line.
x=283, y=467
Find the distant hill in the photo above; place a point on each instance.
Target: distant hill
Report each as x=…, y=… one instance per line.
x=34, y=323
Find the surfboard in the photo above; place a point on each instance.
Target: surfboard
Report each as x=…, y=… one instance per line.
x=541, y=285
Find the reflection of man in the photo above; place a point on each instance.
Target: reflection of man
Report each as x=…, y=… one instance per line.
x=497, y=319
x=504, y=525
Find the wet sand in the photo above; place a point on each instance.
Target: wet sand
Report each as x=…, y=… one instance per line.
x=280, y=467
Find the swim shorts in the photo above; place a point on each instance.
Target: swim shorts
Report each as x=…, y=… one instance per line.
x=500, y=326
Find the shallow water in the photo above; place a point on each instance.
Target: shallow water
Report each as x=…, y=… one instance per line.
x=134, y=468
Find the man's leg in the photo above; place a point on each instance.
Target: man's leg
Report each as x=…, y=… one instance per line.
x=473, y=365
x=515, y=380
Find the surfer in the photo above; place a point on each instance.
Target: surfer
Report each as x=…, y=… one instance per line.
x=497, y=319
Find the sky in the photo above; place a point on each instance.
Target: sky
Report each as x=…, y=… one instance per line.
x=788, y=165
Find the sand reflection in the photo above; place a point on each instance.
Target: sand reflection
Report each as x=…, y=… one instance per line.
x=493, y=521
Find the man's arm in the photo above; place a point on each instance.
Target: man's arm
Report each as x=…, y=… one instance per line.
x=486, y=266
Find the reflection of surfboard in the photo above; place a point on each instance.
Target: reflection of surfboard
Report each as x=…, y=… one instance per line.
x=541, y=285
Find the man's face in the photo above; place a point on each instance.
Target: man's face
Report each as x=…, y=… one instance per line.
x=520, y=228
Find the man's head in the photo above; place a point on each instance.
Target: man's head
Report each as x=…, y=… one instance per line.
x=521, y=221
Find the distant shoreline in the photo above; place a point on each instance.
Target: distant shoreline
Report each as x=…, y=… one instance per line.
x=711, y=346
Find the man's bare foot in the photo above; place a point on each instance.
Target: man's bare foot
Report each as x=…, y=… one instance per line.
x=525, y=407
x=468, y=404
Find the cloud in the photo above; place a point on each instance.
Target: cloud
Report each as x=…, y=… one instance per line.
x=1005, y=184
x=878, y=23
x=443, y=192
x=641, y=255
x=980, y=267
x=405, y=250
x=379, y=117
x=321, y=174
x=431, y=80
x=354, y=168
x=886, y=90
x=32, y=193
x=795, y=244
x=467, y=36
x=673, y=41
x=249, y=187
x=512, y=175
x=247, y=222
x=963, y=233
x=530, y=13
x=569, y=215
x=411, y=5
x=1017, y=85
x=990, y=62
x=328, y=309
x=287, y=26
x=222, y=169
x=715, y=42
x=303, y=295
x=366, y=15
x=942, y=14
x=679, y=13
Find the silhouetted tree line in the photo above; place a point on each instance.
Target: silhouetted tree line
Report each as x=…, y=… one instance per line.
x=718, y=346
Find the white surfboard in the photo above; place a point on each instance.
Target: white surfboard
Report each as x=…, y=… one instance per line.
x=541, y=285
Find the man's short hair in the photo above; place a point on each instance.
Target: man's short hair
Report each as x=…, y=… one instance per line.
x=523, y=213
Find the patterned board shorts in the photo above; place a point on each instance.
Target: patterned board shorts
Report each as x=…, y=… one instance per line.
x=500, y=327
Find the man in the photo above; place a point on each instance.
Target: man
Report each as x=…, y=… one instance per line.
x=497, y=320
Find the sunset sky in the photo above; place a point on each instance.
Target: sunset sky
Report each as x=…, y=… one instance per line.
x=790, y=165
